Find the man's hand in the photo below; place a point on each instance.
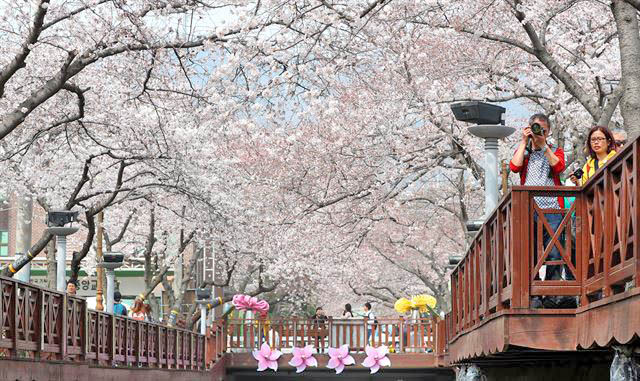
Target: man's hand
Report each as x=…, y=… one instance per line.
x=526, y=133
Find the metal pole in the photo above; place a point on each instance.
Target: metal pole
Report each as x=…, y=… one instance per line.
x=61, y=258
x=111, y=280
x=490, y=175
x=99, y=306
x=203, y=319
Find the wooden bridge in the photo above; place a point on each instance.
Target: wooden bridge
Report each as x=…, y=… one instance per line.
x=491, y=323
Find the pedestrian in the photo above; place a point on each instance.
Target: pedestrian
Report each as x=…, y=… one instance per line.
x=619, y=138
x=72, y=287
x=347, y=313
x=601, y=147
x=148, y=312
x=539, y=164
x=118, y=307
x=372, y=322
x=137, y=311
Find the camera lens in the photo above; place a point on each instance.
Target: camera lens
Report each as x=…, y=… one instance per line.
x=536, y=128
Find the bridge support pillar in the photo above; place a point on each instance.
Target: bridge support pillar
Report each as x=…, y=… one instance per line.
x=624, y=367
x=469, y=372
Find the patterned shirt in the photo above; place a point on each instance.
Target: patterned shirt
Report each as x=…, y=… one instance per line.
x=539, y=174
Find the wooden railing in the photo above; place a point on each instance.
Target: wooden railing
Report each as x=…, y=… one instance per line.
x=43, y=324
x=400, y=335
x=595, y=240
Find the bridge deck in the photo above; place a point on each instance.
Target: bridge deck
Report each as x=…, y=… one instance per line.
x=492, y=290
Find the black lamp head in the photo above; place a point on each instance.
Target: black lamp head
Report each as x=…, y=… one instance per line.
x=60, y=218
x=478, y=112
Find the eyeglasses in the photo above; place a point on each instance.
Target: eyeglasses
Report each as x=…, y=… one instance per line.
x=598, y=139
x=620, y=143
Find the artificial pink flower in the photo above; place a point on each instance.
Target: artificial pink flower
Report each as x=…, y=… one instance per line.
x=302, y=358
x=248, y=303
x=376, y=357
x=267, y=357
x=339, y=358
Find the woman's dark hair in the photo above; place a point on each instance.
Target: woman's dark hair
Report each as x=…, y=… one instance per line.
x=73, y=282
x=318, y=309
x=368, y=305
x=611, y=144
x=347, y=308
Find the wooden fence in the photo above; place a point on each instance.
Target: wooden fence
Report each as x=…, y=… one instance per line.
x=43, y=324
x=506, y=261
x=400, y=335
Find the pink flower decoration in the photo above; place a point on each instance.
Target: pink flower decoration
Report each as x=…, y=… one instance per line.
x=376, y=357
x=267, y=358
x=248, y=303
x=339, y=358
x=302, y=358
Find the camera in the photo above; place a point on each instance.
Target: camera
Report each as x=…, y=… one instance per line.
x=578, y=173
x=536, y=128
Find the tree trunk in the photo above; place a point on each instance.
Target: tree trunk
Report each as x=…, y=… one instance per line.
x=52, y=265
x=629, y=41
x=23, y=234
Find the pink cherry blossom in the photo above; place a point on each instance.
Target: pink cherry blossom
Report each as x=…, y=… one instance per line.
x=267, y=358
x=339, y=358
x=302, y=358
x=376, y=357
x=248, y=303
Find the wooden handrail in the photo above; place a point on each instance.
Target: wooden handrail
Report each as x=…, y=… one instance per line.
x=595, y=239
x=44, y=324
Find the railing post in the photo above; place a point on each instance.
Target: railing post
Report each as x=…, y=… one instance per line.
x=401, y=334
x=14, y=306
x=521, y=227
x=40, y=306
x=329, y=333
x=65, y=329
x=112, y=349
x=635, y=193
x=608, y=229
x=85, y=330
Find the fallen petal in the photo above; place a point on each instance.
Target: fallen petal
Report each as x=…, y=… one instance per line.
x=333, y=363
x=369, y=362
x=296, y=361
x=349, y=360
x=343, y=350
x=262, y=365
x=311, y=361
x=265, y=350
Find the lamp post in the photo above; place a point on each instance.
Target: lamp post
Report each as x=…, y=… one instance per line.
x=111, y=261
x=204, y=298
x=490, y=126
x=60, y=224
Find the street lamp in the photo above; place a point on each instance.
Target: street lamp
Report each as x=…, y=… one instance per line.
x=490, y=126
x=111, y=261
x=60, y=224
x=204, y=298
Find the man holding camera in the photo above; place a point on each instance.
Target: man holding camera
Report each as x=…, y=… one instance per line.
x=541, y=165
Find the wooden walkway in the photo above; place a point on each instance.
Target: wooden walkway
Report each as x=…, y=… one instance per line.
x=492, y=290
